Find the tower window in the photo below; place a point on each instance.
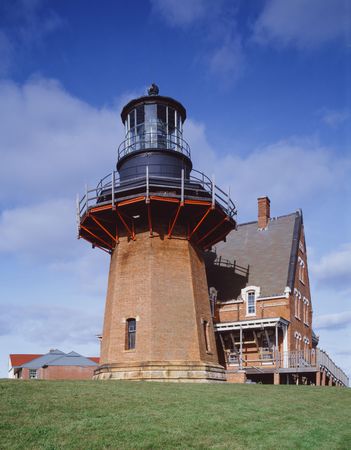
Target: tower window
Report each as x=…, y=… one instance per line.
x=131, y=332
x=205, y=328
x=251, y=303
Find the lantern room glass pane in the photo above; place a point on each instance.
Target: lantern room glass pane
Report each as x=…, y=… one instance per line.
x=162, y=114
x=171, y=120
x=140, y=116
x=150, y=113
x=132, y=119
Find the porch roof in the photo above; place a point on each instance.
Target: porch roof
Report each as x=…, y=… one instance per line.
x=255, y=323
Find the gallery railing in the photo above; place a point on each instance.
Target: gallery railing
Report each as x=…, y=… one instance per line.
x=112, y=189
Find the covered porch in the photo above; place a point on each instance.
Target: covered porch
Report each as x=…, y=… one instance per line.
x=258, y=343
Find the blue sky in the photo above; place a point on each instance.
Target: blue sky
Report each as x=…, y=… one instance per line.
x=267, y=88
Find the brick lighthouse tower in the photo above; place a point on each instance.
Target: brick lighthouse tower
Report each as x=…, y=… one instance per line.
x=155, y=216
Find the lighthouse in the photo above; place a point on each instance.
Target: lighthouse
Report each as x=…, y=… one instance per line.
x=155, y=215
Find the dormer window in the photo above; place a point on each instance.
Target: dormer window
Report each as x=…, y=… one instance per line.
x=250, y=295
x=251, y=303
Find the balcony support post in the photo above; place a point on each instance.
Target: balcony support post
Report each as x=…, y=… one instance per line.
x=113, y=190
x=241, y=348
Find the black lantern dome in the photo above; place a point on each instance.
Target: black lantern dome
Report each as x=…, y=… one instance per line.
x=153, y=137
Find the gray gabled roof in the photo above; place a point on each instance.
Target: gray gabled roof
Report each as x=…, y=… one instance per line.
x=59, y=358
x=72, y=359
x=43, y=360
x=269, y=254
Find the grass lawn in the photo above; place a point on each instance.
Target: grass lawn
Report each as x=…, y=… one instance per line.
x=136, y=415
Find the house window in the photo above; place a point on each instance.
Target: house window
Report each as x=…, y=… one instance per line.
x=297, y=341
x=251, y=303
x=32, y=373
x=205, y=326
x=301, y=247
x=301, y=270
x=131, y=332
x=297, y=304
x=305, y=310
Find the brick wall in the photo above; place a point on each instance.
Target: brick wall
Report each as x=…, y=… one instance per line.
x=162, y=284
x=62, y=373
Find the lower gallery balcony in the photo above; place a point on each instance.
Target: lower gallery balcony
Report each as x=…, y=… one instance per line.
x=258, y=351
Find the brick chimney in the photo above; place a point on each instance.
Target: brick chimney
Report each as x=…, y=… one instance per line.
x=264, y=211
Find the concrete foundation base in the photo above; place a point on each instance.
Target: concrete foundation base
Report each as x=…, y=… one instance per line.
x=176, y=371
x=236, y=377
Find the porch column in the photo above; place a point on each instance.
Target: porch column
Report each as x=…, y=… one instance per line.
x=276, y=376
x=330, y=380
x=241, y=348
x=285, y=346
x=323, y=378
x=276, y=346
x=318, y=378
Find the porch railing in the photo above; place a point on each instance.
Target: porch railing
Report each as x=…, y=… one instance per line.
x=312, y=358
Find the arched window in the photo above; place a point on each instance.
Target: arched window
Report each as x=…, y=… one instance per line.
x=130, y=334
x=250, y=295
x=301, y=270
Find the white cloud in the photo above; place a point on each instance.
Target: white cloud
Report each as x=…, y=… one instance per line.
x=228, y=60
x=333, y=321
x=89, y=268
x=215, y=24
x=302, y=23
x=334, y=268
x=40, y=230
x=52, y=143
x=334, y=118
x=50, y=326
x=30, y=25
x=289, y=171
x=180, y=12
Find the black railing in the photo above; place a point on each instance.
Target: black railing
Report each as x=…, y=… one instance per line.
x=156, y=140
x=111, y=189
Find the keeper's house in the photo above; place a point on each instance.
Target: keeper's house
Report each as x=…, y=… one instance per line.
x=261, y=303
x=55, y=365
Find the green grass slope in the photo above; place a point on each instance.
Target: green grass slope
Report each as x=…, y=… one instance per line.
x=127, y=415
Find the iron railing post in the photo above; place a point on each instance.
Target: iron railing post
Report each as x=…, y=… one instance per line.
x=228, y=202
x=213, y=192
x=147, y=185
x=86, y=196
x=182, y=189
x=113, y=190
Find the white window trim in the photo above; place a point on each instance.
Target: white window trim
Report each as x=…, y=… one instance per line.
x=306, y=303
x=297, y=304
x=302, y=267
x=34, y=372
x=301, y=247
x=244, y=295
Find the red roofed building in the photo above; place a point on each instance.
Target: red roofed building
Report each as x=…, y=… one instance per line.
x=51, y=366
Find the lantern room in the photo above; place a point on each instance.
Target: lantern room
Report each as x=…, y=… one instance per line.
x=153, y=137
